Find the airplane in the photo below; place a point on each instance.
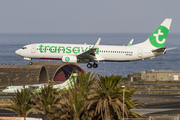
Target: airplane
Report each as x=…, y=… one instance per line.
x=83, y=53
x=13, y=89
x=37, y=87
x=65, y=85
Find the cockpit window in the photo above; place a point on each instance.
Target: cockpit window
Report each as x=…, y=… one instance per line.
x=24, y=48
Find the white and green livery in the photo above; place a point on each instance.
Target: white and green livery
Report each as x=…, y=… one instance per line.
x=13, y=89
x=84, y=53
x=65, y=85
x=68, y=83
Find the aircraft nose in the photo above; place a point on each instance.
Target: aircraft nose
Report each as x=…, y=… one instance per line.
x=4, y=91
x=18, y=52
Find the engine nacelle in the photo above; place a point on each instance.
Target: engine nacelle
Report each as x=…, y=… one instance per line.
x=69, y=59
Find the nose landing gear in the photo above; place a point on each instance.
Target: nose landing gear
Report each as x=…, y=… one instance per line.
x=95, y=65
x=30, y=63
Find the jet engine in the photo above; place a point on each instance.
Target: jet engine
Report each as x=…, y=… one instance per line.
x=69, y=59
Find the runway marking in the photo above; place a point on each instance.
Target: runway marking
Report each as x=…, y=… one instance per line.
x=161, y=116
x=162, y=105
x=176, y=96
x=160, y=101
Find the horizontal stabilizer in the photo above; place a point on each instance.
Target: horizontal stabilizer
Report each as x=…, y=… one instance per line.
x=159, y=50
x=171, y=48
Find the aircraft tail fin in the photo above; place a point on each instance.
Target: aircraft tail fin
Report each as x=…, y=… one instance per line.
x=158, y=37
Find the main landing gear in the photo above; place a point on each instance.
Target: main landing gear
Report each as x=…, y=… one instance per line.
x=95, y=65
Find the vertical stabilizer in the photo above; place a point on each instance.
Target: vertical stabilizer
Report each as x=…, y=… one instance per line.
x=158, y=37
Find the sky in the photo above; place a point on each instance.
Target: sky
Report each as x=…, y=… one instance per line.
x=87, y=16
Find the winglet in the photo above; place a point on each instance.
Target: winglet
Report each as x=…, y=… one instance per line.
x=97, y=43
x=130, y=43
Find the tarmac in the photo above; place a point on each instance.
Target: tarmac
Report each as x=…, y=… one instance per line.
x=158, y=106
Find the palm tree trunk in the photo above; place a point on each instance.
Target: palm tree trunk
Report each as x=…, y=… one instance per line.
x=108, y=114
x=76, y=119
x=48, y=116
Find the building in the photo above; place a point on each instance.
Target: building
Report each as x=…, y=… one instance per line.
x=39, y=72
x=155, y=76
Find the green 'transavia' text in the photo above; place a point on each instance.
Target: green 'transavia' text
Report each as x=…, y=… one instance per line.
x=63, y=49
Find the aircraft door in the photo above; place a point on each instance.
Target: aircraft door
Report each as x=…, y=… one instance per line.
x=140, y=53
x=33, y=49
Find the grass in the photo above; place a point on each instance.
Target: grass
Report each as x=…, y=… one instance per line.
x=4, y=102
x=154, y=85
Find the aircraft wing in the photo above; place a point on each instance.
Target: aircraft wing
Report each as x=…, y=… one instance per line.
x=89, y=54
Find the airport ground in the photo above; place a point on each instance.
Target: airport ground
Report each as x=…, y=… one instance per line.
x=156, y=105
x=154, y=87
x=161, y=100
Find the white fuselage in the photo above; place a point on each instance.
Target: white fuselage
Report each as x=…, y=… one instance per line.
x=13, y=89
x=79, y=53
x=103, y=53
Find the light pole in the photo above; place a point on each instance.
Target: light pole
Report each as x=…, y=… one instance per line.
x=123, y=99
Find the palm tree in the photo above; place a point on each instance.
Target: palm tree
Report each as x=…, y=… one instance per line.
x=132, y=104
x=21, y=102
x=45, y=102
x=71, y=105
x=107, y=99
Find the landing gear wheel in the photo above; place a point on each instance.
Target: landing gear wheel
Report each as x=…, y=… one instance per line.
x=30, y=63
x=95, y=65
x=89, y=65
